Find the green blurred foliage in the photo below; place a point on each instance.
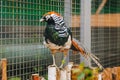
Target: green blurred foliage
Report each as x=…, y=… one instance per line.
x=14, y=78
x=85, y=73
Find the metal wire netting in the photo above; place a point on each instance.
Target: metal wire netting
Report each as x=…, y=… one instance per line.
x=21, y=39
x=21, y=36
x=105, y=29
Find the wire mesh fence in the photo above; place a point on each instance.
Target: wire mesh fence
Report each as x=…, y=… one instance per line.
x=21, y=36
x=21, y=33
x=105, y=29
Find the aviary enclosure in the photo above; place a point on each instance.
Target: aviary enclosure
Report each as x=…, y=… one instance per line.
x=96, y=23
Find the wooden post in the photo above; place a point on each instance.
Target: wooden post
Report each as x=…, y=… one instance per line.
x=68, y=69
x=63, y=74
x=53, y=73
x=60, y=74
x=99, y=76
x=4, y=68
x=35, y=77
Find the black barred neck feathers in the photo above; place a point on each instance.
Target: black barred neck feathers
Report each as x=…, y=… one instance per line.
x=60, y=25
x=58, y=19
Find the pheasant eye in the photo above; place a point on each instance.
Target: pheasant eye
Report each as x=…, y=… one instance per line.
x=47, y=17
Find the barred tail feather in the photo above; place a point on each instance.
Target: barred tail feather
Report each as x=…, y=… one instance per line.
x=95, y=59
x=79, y=47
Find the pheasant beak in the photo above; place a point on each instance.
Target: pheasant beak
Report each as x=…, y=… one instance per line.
x=41, y=20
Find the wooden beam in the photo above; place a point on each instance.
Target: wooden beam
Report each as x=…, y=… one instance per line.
x=105, y=20
x=101, y=20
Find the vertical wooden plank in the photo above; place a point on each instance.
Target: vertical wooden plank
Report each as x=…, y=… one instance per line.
x=63, y=74
x=68, y=69
x=4, y=68
x=53, y=73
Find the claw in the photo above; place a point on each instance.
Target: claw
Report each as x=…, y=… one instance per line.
x=63, y=62
x=54, y=65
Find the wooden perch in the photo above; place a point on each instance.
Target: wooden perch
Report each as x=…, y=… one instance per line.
x=101, y=6
x=63, y=74
x=68, y=69
x=4, y=68
x=60, y=74
x=80, y=72
x=53, y=73
x=99, y=76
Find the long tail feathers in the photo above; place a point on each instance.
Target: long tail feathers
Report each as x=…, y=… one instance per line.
x=85, y=52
